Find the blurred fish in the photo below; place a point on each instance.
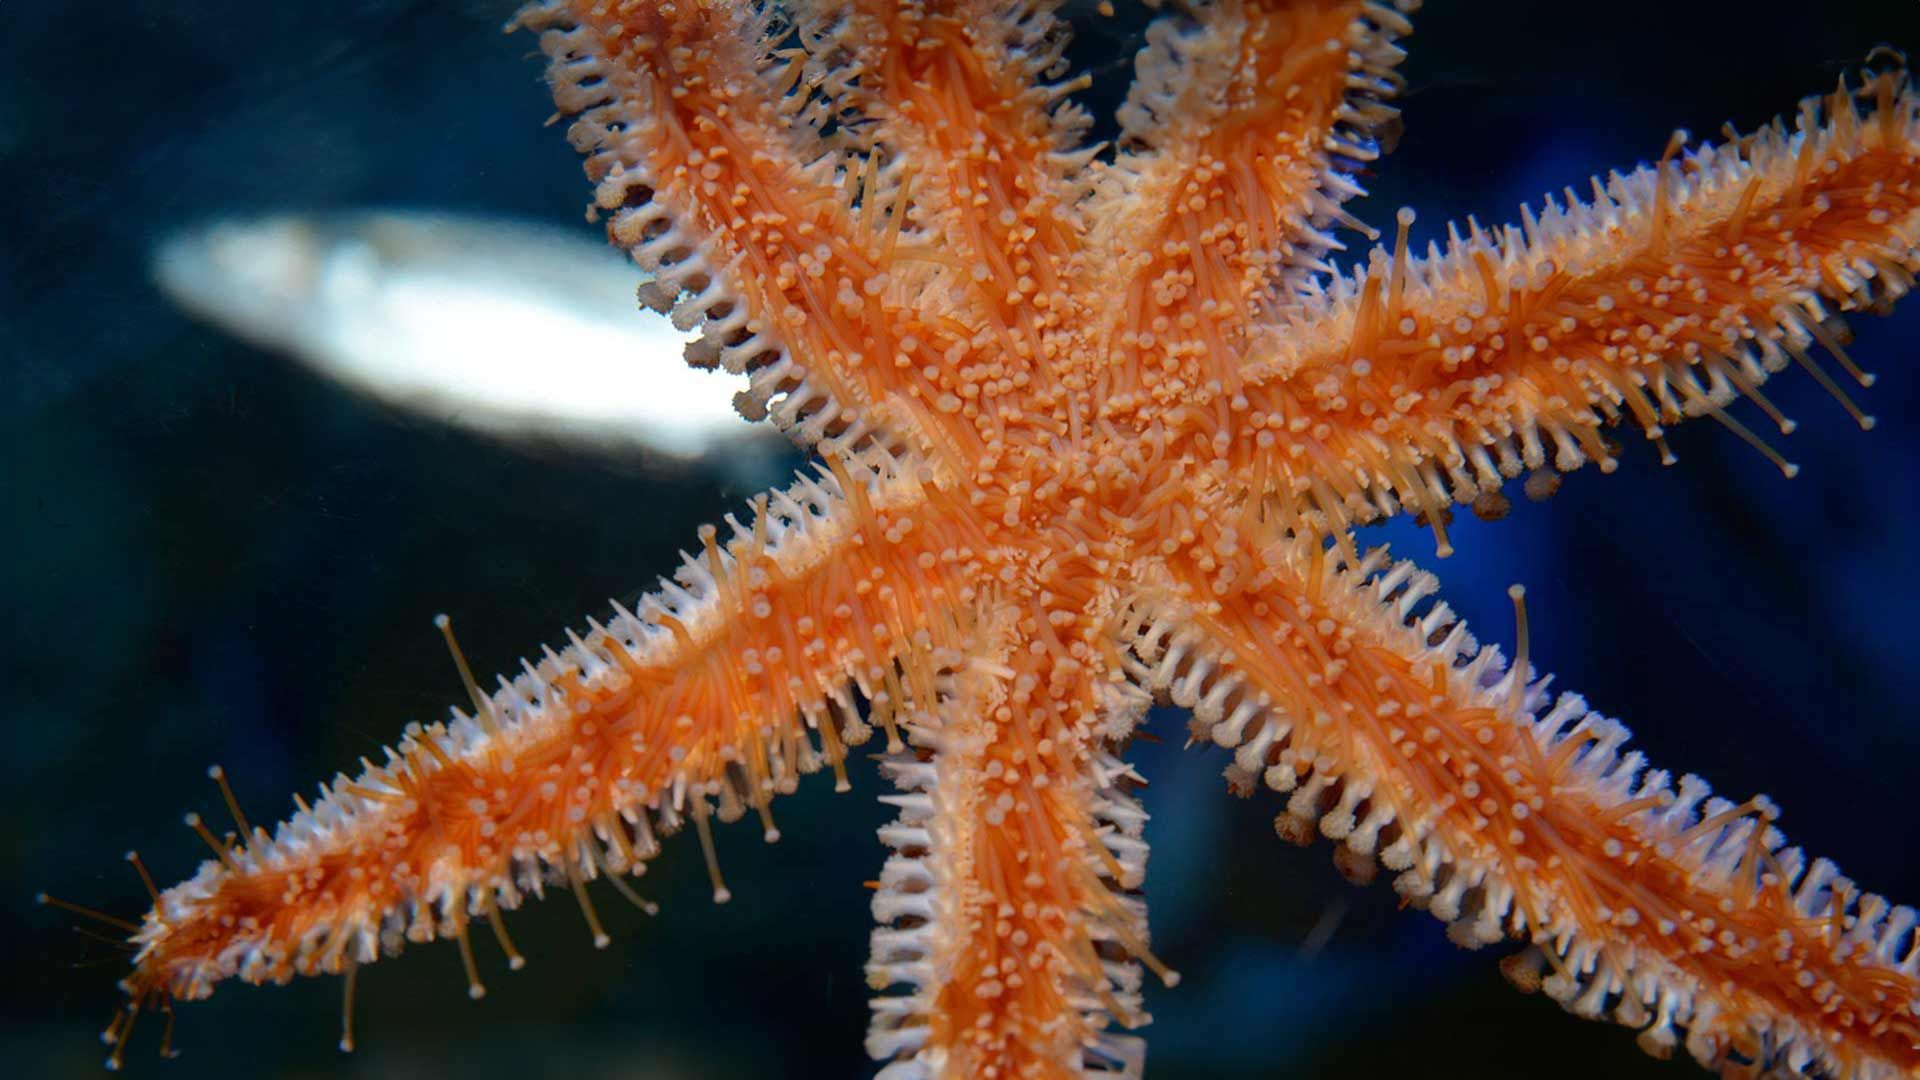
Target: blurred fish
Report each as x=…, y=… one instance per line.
x=512, y=329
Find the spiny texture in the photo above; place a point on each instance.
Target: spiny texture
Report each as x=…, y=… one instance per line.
x=1095, y=427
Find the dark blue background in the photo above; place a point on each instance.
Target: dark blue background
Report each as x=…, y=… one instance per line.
x=208, y=555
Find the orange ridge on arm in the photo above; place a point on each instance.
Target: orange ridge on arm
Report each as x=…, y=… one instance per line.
x=959, y=89
x=954, y=95
x=1241, y=132
x=1671, y=292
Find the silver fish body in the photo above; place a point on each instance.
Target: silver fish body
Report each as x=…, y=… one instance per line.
x=516, y=330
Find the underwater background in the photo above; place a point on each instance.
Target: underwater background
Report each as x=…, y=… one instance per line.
x=208, y=554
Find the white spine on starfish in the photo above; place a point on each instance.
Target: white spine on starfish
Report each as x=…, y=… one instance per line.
x=914, y=908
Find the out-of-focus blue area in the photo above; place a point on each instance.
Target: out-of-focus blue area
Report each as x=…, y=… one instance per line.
x=208, y=555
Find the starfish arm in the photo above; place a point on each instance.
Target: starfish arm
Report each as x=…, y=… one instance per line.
x=956, y=92
x=954, y=95
x=1239, y=137
x=1670, y=293
x=1506, y=811
x=719, y=181
x=1006, y=920
x=718, y=688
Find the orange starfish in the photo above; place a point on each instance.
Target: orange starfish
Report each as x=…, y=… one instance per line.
x=1095, y=428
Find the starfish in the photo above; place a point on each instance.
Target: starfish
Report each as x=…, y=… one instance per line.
x=1094, y=427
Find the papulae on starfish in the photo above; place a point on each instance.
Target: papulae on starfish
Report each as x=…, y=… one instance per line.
x=1093, y=427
